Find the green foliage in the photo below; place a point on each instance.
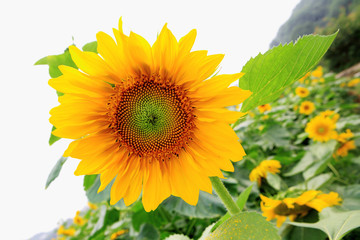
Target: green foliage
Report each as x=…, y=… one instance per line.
x=267, y=75
x=55, y=171
x=243, y=226
x=337, y=225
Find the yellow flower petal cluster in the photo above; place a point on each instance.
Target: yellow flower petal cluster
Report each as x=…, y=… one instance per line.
x=118, y=234
x=301, y=80
x=264, y=108
x=321, y=129
x=302, y=92
x=92, y=206
x=78, y=220
x=345, y=147
x=330, y=114
x=299, y=206
x=318, y=72
x=306, y=107
x=67, y=232
x=150, y=117
x=353, y=82
x=342, y=137
x=272, y=166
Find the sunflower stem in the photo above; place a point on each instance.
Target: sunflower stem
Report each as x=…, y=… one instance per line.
x=224, y=195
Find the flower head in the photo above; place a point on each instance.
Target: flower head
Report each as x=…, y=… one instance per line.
x=331, y=114
x=272, y=166
x=342, y=137
x=149, y=117
x=66, y=232
x=318, y=72
x=353, y=82
x=345, y=147
x=302, y=92
x=78, y=220
x=321, y=129
x=115, y=235
x=264, y=108
x=307, y=107
x=299, y=206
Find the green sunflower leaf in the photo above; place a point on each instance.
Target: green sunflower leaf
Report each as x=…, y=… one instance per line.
x=267, y=75
x=337, y=225
x=244, y=226
x=55, y=171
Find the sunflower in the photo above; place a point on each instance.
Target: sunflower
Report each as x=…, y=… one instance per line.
x=78, y=220
x=264, y=108
x=149, y=117
x=342, y=137
x=302, y=92
x=318, y=72
x=307, y=107
x=297, y=207
x=353, y=82
x=66, y=231
x=345, y=147
x=321, y=129
x=117, y=234
x=272, y=166
x=331, y=114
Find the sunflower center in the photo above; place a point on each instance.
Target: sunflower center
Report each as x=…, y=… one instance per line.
x=283, y=210
x=151, y=117
x=322, y=130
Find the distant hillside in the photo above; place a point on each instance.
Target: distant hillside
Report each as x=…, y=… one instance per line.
x=326, y=17
x=310, y=14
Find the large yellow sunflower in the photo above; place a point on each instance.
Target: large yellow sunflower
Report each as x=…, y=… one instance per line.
x=321, y=129
x=148, y=116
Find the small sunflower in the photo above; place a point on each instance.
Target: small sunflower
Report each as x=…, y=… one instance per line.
x=117, y=234
x=321, y=129
x=353, y=82
x=302, y=92
x=264, y=108
x=78, y=220
x=331, y=114
x=306, y=107
x=345, y=147
x=272, y=166
x=318, y=72
x=149, y=117
x=66, y=231
x=297, y=207
x=342, y=137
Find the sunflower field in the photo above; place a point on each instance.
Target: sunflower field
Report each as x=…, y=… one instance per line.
x=296, y=122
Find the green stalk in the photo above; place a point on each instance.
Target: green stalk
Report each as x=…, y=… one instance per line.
x=224, y=195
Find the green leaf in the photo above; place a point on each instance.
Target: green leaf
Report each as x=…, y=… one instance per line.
x=244, y=226
x=95, y=197
x=148, y=232
x=275, y=135
x=267, y=75
x=303, y=164
x=140, y=217
x=208, y=206
x=100, y=223
x=241, y=201
x=350, y=195
x=53, y=138
x=337, y=225
x=54, y=61
x=274, y=181
x=55, y=171
x=90, y=47
x=316, y=182
x=89, y=180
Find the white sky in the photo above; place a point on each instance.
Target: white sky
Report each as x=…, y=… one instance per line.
x=31, y=30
